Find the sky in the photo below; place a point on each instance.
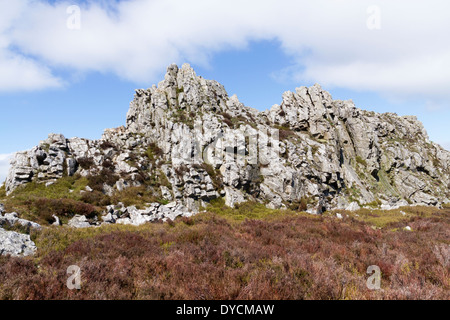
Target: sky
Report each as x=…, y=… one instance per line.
x=71, y=67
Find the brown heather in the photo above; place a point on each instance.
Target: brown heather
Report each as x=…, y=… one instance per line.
x=210, y=256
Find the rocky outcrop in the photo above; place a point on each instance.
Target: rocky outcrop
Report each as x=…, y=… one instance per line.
x=16, y=244
x=133, y=216
x=12, y=219
x=188, y=142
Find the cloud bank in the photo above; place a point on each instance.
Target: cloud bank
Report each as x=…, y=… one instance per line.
x=397, y=48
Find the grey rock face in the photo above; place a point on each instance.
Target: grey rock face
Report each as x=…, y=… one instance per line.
x=199, y=144
x=153, y=212
x=16, y=244
x=354, y=206
x=12, y=219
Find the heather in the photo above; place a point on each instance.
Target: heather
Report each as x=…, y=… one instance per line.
x=242, y=253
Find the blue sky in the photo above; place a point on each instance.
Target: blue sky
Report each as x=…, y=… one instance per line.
x=79, y=80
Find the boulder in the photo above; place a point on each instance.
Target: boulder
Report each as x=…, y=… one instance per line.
x=79, y=221
x=13, y=219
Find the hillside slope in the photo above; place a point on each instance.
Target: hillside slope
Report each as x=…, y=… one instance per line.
x=187, y=141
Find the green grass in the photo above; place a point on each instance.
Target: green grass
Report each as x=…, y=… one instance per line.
x=60, y=189
x=374, y=204
x=361, y=161
x=249, y=210
x=2, y=192
x=72, y=187
x=35, y=201
x=25, y=199
x=163, y=180
x=153, y=152
x=59, y=238
x=214, y=174
x=386, y=218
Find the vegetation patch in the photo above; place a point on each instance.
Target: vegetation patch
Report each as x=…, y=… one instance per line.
x=390, y=218
x=2, y=191
x=85, y=162
x=153, y=152
x=285, y=132
x=181, y=116
x=42, y=209
x=361, y=161
x=107, y=145
x=105, y=176
x=246, y=210
x=301, y=205
x=66, y=187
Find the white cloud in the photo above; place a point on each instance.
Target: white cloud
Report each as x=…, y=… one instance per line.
x=4, y=166
x=20, y=73
x=328, y=39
